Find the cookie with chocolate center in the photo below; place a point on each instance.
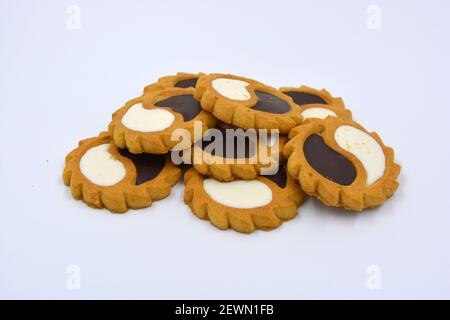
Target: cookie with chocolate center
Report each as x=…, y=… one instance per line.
x=104, y=176
x=317, y=104
x=247, y=103
x=228, y=152
x=147, y=123
x=341, y=163
x=180, y=80
x=243, y=205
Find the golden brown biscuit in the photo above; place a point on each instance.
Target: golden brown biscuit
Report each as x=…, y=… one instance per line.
x=315, y=103
x=180, y=80
x=247, y=103
x=228, y=162
x=146, y=124
x=243, y=205
x=341, y=163
x=105, y=177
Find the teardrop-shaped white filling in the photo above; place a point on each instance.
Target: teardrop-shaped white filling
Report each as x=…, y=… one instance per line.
x=99, y=167
x=241, y=194
x=363, y=147
x=231, y=88
x=138, y=118
x=320, y=113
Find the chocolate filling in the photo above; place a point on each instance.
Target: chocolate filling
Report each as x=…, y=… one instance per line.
x=148, y=166
x=326, y=161
x=269, y=103
x=187, y=83
x=229, y=150
x=184, y=104
x=280, y=178
x=302, y=98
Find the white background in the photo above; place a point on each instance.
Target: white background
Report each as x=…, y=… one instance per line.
x=58, y=86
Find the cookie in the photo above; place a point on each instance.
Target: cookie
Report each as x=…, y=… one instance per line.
x=247, y=103
x=180, y=80
x=341, y=163
x=243, y=205
x=317, y=103
x=146, y=124
x=104, y=176
x=227, y=153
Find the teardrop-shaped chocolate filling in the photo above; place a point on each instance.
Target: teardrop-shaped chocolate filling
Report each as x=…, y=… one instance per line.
x=148, y=166
x=184, y=104
x=269, y=103
x=302, y=98
x=280, y=178
x=187, y=83
x=326, y=161
x=229, y=149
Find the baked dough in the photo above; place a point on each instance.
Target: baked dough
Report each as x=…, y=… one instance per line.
x=243, y=205
x=146, y=124
x=341, y=163
x=103, y=176
x=247, y=103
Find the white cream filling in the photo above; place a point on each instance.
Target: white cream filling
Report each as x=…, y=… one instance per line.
x=231, y=88
x=241, y=194
x=138, y=118
x=320, y=113
x=99, y=167
x=365, y=148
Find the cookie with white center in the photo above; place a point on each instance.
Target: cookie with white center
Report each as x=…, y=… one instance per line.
x=243, y=205
x=180, y=80
x=341, y=163
x=247, y=103
x=104, y=176
x=228, y=152
x=318, y=104
x=146, y=124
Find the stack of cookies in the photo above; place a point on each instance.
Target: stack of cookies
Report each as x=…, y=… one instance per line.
x=249, y=152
